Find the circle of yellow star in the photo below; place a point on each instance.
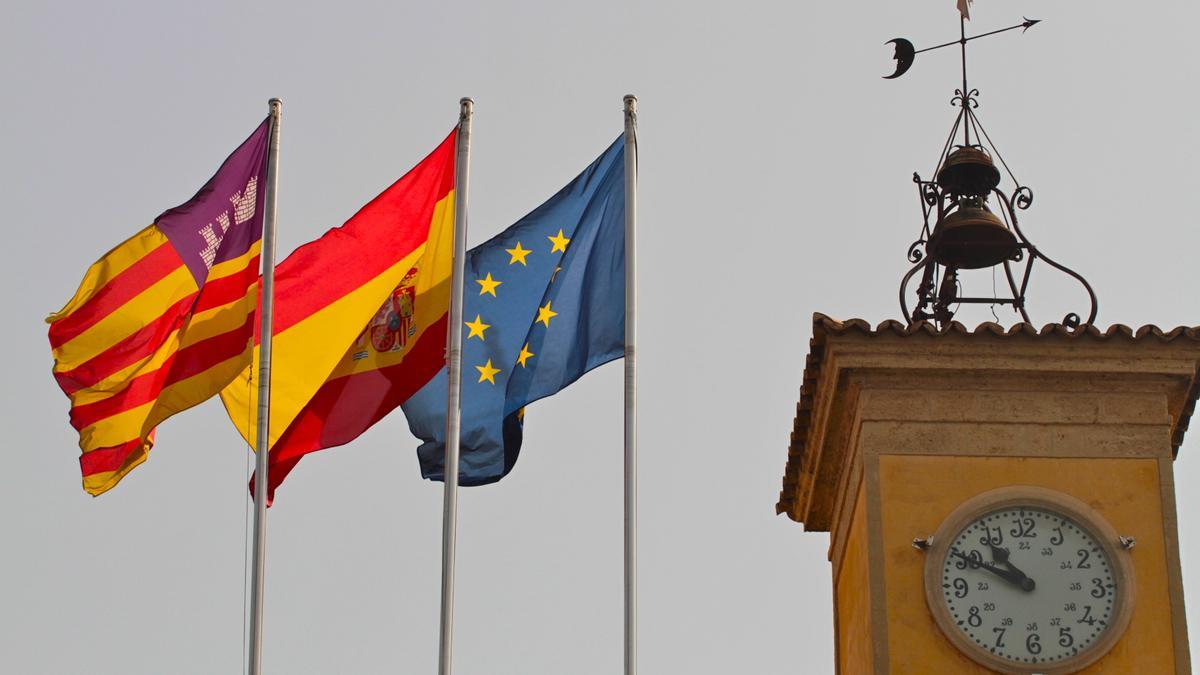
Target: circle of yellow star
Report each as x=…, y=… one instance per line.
x=545, y=314
x=524, y=355
x=477, y=327
x=488, y=285
x=518, y=254
x=487, y=373
x=559, y=242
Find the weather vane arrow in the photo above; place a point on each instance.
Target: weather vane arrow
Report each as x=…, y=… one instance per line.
x=905, y=53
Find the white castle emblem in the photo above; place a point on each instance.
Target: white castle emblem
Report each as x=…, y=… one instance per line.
x=243, y=209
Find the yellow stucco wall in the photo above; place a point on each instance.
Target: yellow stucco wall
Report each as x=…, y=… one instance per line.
x=853, y=596
x=918, y=491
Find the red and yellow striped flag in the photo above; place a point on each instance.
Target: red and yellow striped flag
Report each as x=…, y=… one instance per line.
x=163, y=321
x=368, y=300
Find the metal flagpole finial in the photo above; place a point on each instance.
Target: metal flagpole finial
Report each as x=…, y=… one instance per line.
x=275, y=103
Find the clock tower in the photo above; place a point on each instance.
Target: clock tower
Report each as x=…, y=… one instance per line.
x=1019, y=479
x=998, y=499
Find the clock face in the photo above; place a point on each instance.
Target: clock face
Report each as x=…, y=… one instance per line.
x=1029, y=581
x=1029, y=585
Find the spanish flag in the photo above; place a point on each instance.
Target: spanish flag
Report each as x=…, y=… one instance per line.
x=360, y=317
x=164, y=320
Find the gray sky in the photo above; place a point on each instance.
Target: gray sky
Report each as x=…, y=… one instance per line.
x=775, y=181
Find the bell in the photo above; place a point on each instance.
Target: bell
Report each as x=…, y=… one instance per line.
x=968, y=171
x=971, y=237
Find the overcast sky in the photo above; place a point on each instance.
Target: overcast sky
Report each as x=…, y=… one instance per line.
x=775, y=182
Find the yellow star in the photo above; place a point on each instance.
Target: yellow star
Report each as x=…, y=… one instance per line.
x=559, y=242
x=488, y=285
x=477, y=327
x=545, y=314
x=487, y=373
x=524, y=355
x=518, y=254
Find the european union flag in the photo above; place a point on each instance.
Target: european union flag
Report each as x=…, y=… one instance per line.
x=545, y=303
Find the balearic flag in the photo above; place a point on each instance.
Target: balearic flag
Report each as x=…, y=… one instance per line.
x=545, y=303
x=388, y=269
x=163, y=321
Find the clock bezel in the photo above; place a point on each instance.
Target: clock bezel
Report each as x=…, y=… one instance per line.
x=1035, y=497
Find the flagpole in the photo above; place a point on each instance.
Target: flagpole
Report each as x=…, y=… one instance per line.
x=263, y=444
x=462, y=167
x=630, y=385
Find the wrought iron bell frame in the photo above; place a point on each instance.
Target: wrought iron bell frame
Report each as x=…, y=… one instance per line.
x=939, y=293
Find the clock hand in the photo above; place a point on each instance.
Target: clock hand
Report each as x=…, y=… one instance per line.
x=1000, y=555
x=1016, y=578
x=973, y=562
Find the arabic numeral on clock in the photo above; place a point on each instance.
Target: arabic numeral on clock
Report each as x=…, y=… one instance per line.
x=1098, y=590
x=1083, y=560
x=1065, y=639
x=992, y=537
x=1033, y=644
x=982, y=585
x=1065, y=565
x=1056, y=621
x=1076, y=585
x=1024, y=546
x=960, y=587
x=1058, y=536
x=1069, y=607
x=973, y=618
x=972, y=560
x=1087, y=616
x=1006, y=621
x=989, y=606
x=1023, y=528
x=999, y=637
x=1046, y=550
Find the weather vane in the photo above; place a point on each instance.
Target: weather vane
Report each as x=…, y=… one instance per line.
x=906, y=53
x=960, y=231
